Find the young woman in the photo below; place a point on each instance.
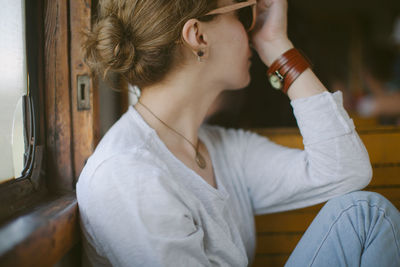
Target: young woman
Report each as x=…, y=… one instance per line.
x=165, y=189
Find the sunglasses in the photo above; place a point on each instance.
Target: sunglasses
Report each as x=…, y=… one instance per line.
x=246, y=12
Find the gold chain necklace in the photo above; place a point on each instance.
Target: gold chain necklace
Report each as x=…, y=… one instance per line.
x=198, y=158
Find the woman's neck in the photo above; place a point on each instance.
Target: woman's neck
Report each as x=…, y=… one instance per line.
x=181, y=103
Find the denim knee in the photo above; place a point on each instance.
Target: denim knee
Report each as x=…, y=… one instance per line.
x=356, y=196
x=351, y=226
x=361, y=199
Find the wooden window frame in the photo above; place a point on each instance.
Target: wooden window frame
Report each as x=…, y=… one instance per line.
x=45, y=215
x=19, y=194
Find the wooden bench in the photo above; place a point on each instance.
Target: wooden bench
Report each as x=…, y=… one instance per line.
x=278, y=234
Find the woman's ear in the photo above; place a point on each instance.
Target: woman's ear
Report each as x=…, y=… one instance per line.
x=194, y=36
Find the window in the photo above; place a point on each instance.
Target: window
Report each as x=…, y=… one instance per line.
x=22, y=176
x=14, y=100
x=40, y=194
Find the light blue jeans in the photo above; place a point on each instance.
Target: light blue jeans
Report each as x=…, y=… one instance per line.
x=356, y=229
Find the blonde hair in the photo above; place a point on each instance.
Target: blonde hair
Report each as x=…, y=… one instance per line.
x=136, y=39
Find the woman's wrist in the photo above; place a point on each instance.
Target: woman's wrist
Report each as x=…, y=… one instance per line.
x=269, y=52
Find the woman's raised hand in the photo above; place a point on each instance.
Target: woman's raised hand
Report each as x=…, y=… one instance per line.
x=269, y=37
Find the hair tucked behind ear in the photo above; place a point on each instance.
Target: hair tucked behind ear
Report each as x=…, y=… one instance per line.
x=136, y=39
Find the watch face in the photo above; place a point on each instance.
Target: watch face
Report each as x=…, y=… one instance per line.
x=275, y=81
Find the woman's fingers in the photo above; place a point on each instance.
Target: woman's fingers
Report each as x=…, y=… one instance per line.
x=263, y=5
x=271, y=19
x=270, y=33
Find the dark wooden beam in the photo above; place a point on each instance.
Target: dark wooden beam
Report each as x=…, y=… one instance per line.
x=85, y=122
x=42, y=237
x=57, y=96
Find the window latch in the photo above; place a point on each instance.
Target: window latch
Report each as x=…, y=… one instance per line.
x=83, y=93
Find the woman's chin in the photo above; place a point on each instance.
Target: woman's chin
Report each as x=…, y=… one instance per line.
x=240, y=87
x=241, y=82
x=246, y=82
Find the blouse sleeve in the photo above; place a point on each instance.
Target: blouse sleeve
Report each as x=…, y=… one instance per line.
x=333, y=162
x=136, y=218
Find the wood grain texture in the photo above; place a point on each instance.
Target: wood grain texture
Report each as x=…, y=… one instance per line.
x=43, y=234
x=277, y=243
x=57, y=97
x=84, y=122
x=290, y=221
x=273, y=260
x=42, y=237
x=386, y=176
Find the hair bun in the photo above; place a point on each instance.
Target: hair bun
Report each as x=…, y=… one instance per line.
x=110, y=48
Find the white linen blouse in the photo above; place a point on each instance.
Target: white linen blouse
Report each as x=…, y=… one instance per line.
x=141, y=206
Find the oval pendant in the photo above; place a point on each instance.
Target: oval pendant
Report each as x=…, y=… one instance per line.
x=200, y=160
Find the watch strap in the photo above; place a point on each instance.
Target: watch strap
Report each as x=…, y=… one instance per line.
x=289, y=66
x=293, y=74
x=282, y=60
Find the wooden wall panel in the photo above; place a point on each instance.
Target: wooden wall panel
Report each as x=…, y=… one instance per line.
x=271, y=260
x=277, y=243
x=291, y=221
x=386, y=175
x=84, y=122
x=383, y=148
x=57, y=95
x=72, y=134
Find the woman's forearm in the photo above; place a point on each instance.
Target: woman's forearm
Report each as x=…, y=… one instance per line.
x=307, y=84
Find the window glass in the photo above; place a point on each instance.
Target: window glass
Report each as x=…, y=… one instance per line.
x=13, y=86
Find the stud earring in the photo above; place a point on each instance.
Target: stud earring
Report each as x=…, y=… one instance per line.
x=199, y=55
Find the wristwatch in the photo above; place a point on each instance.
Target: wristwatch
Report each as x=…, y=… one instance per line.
x=276, y=80
x=286, y=69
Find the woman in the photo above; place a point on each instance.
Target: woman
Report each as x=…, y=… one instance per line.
x=164, y=189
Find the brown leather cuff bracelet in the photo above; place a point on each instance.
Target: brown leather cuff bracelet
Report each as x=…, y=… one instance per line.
x=286, y=69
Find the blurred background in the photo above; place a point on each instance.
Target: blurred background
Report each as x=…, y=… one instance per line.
x=354, y=47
